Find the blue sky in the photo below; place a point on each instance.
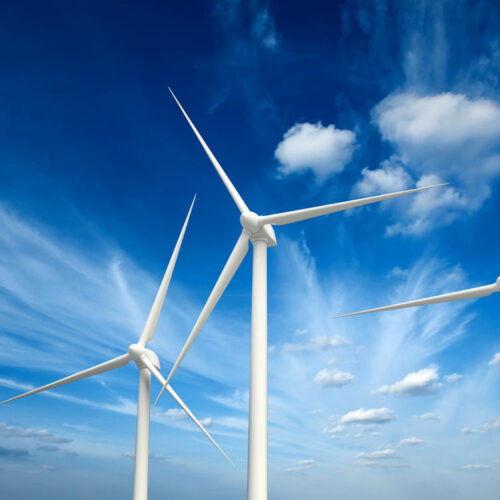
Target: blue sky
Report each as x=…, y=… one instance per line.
x=303, y=104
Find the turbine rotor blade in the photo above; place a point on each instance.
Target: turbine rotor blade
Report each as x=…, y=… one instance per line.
x=471, y=293
x=232, y=264
x=156, y=373
x=309, y=213
x=95, y=370
x=150, y=326
x=225, y=179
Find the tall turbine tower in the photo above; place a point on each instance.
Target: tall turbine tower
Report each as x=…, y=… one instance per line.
x=148, y=364
x=258, y=229
x=471, y=293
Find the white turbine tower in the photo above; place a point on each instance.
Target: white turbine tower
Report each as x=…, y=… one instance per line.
x=471, y=293
x=258, y=229
x=148, y=364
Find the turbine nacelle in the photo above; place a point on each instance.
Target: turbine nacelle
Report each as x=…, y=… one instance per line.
x=137, y=351
x=254, y=227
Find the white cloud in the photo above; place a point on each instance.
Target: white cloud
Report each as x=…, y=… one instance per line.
x=303, y=331
x=308, y=146
x=337, y=429
x=429, y=416
x=444, y=136
x=476, y=467
x=43, y=435
x=411, y=441
x=302, y=466
x=175, y=414
x=379, y=455
x=470, y=430
x=318, y=344
x=423, y=207
x=495, y=360
x=416, y=383
x=437, y=122
x=370, y=416
x=207, y=422
x=453, y=377
x=337, y=378
x=387, y=179
x=485, y=428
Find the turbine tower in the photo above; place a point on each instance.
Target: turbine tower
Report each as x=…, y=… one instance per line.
x=258, y=229
x=148, y=364
x=471, y=293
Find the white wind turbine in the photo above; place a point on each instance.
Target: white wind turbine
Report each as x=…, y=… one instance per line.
x=471, y=293
x=148, y=364
x=258, y=229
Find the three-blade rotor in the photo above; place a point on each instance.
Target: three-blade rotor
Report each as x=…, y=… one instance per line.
x=138, y=352
x=471, y=293
x=255, y=225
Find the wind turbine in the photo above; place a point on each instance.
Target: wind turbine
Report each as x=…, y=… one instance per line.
x=148, y=364
x=258, y=229
x=471, y=293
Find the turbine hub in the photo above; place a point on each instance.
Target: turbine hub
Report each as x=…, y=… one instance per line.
x=252, y=225
x=136, y=351
x=498, y=283
x=250, y=222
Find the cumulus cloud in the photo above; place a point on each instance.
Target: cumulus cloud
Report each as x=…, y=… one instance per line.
x=495, y=360
x=476, y=467
x=336, y=429
x=302, y=466
x=429, y=416
x=485, y=428
x=421, y=211
x=387, y=179
x=453, y=377
x=437, y=122
x=175, y=413
x=411, y=441
x=207, y=422
x=324, y=150
x=444, y=136
x=379, y=454
x=370, y=416
x=337, y=378
x=43, y=435
x=422, y=382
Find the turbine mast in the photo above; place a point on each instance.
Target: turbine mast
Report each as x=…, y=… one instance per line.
x=257, y=417
x=141, y=465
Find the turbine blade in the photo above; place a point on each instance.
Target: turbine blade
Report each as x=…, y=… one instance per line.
x=232, y=264
x=309, y=213
x=156, y=373
x=95, y=370
x=471, y=293
x=150, y=326
x=225, y=179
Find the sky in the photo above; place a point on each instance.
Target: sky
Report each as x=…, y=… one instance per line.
x=303, y=104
